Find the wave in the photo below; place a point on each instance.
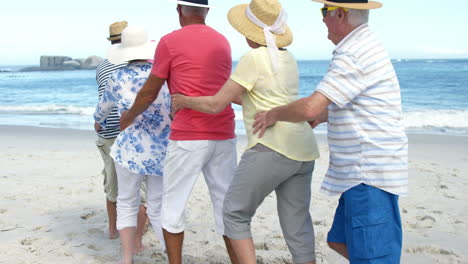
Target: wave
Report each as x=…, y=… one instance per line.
x=436, y=119
x=47, y=110
x=420, y=119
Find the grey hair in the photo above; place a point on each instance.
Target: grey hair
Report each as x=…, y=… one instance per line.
x=194, y=11
x=356, y=17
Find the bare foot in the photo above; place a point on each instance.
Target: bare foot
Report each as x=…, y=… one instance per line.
x=123, y=262
x=114, y=234
x=139, y=248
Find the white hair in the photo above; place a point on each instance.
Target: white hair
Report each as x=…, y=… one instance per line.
x=194, y=11
x=356, y=17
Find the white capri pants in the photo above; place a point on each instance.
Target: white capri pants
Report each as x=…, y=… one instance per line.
x=217, y=159
x=128, y=200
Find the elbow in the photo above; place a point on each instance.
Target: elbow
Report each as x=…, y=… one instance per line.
x=215, y=108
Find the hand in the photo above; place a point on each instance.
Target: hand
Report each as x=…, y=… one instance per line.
x=177, y=102
x=321, y=118
x=262, y=122
x=97, y=127
x=314, y=123
x=125, y=120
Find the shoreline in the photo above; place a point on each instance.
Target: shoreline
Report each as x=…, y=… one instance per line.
x=52, y=206
x=410, y=132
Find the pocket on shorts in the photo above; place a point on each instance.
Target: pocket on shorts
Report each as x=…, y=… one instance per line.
x=99, y=144
x=372, y=236
x=192, y=145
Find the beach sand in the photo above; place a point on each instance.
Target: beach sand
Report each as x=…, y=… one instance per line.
x=52, y=205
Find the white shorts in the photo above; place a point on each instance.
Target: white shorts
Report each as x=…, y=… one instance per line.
x=217, y=159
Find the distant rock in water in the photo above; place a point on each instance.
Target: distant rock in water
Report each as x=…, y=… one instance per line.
x=53, y=62
x=64, y=63
x=91, y=62
x=71, y=64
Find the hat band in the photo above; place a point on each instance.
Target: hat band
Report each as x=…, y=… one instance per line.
x=349, y=1
x=113, y=36
x=198, y=2
x=279, y=27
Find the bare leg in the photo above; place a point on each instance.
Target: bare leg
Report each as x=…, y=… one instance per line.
x=340, y=248
x=127, y=237
x=230, y=250
x=174, y=246
x=140, y=229
x=112, y=215
x=245, y=250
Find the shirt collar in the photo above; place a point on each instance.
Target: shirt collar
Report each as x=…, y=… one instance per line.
x=349, y=37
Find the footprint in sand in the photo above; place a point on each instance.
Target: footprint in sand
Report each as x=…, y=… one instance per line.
x=158, y=257
x=432, y=250
x=88, y=215
x=261, y=246
x=449, y=196
x=37, y=228
x=28, y=241
x=94, y=247
x=427, y=217
x=94, y=231
x=320, y=222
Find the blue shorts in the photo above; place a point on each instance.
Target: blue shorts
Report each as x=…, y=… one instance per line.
x=367, y=220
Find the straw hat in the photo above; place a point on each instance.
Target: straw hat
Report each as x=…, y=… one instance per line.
x=135, y=46
x=352, y=4
x=115, y=30
x=266, y=11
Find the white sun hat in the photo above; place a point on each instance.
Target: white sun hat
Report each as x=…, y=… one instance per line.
x=135, y=46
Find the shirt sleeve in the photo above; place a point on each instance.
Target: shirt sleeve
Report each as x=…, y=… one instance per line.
x=106, y=102
x=343, y=81
x=162, y=60
x=246, y=72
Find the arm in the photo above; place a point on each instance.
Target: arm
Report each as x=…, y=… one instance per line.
x=104, y=107
x=230, y=92
x=308, y=108
x=238, y=100
x=321, y=118
x=144, y=99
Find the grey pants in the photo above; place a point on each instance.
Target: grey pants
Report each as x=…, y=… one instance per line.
x=259, y=173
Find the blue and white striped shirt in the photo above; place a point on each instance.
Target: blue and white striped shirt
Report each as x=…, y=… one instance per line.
x=366, y=137
x=103, y=72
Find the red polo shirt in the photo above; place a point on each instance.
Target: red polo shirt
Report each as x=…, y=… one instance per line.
x=196, y=61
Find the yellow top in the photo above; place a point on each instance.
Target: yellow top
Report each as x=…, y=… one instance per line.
x=266, y=90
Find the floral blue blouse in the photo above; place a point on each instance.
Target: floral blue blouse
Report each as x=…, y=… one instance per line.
x=141, y=148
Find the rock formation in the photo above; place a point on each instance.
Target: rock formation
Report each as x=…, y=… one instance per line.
x=64, y=63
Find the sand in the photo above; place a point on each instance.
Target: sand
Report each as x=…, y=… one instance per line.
x=52, y=205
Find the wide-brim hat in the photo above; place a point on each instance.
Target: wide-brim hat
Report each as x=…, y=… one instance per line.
x=115, y=30
x=197, y=3
x=267, y=12
x=135, y=46
x=352, y=4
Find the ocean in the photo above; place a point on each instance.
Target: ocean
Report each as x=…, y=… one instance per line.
x=434, y=96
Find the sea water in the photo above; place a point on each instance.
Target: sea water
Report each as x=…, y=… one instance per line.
x=434, y=96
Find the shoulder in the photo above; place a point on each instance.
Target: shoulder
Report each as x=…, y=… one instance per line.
x=252, y=54
x=173, y=35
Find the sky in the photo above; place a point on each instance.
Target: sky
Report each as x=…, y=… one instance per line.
x=421, y=29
